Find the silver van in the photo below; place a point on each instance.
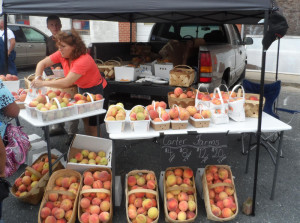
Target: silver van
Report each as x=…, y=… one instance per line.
x=30, y=44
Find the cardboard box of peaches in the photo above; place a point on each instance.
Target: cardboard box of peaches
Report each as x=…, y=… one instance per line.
x=89, y=152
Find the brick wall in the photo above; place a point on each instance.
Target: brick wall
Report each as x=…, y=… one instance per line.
x=124, y=32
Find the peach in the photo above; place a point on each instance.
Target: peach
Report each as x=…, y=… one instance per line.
x=94, y=209
x=104, y=176
x=104, y=216
x=132, y=213
x=141, y=210
x=59, y=213
x=192, y=110
x=223, y=195
x=153, y=213
x=147, y=203
x=223, y=173
x=189, y=94
x=169, y=172
x=220, y=204
x=162, y=104
x=178, y=180
x=183, y=205
x=191, y=198
x=18, y=182
x=107, y=185
x=182, y=196
x=131, y=181
x=154, y=204
x=79, y=157
x=26, y=180
x=101, y=196
x=88, y=180
x=96, y=175
x=131, y=206
x=215, y=210
x=173, y=215
x=85, y=217
x=45, y=212
x=183, y=95
x=174, y=113
x=50, y=205
x=229, y=190
x=178, y=91
x=192, y=205
x=226, y=213
x=171, y=180
x=187, y=181
x=105, y=206
x=190, y=215
x=227, y=181
x=178, y=172
x=141, y=218
x=92, y=155
x=151, y=184
x=172, y=204
x=27, y=173
x=74, y=186
x=150, y=176
x=68, y=215
x=85, y=153
x=66, y=204
x=50, y=219
x=141, y=181
x=138, y=202
x=66, y=182
x=209, y=177
x=188, y=173
x=184, y=114
x=211, y=194
x=94, y=218
x=181, y=216
x=216, y=176
x=211, y=201
x=233, y=207
x=131, y=198
x=53, y=196
x=227, y=202
x=85, y=203
x=220, y=188
x=169, y=195
x=61, y=221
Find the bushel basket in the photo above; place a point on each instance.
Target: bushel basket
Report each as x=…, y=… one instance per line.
x=107, y=68
x=182, y=76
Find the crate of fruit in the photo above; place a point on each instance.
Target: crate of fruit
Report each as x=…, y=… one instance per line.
x=179, y=117
x=201, y=118
x=219, y=193
x=182, y=76
x=89, y=152
x=115, y=119
x=139, y=119
x=142, y=198
x=180, y=198
x=88, y=103
x=180, y=97
x=160, y=118
x=252, y=104
x=95, y=202
x=127, y=73
x=61, y=197
x=30, y=186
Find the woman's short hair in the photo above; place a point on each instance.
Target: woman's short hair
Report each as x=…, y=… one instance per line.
x=72, y=38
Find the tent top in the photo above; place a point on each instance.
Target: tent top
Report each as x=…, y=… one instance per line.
x=186, y=11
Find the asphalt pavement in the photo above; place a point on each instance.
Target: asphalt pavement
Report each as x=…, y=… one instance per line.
x=145, y=154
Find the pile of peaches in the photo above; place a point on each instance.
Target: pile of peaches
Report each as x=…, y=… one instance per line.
x=27, y=181
x=138, y=113
x=20, y=95
x=84, y=102
x=179, y=93
x=222, y=201
x=95, y=207
x=157, y=111
x=9, y=77
x=180, y=197
x=60, y=206
x=90, y=157
x=116, y=112
x=142, y=206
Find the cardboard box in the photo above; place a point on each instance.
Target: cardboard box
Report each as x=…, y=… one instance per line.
x=95, y=144
x=12, y=85
x=126, y=73
x=163, y=70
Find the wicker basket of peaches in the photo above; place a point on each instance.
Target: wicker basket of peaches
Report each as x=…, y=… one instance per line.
x=142, y=198
x=180, y=198
x=219, y=193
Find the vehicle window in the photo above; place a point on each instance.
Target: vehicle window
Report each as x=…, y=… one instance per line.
x=19, y=35
x=33, y=36
x=198, y=31
x=236, y=36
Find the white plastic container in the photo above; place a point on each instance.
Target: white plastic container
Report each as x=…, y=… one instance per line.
x=116, y=126
x=126, y=73
x=48, y=116
x=12, y=85
x=92, y=144
x=31, y=111
x=163, y=70
x=139, y=125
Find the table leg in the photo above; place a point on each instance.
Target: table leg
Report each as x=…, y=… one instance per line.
x=47, y=138
x=276, y=165
x=98, y=126
x=113, y=171
x=17, y=121
x=248, y=153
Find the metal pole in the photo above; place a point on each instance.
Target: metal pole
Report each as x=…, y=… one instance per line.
x=277, y=64
x=5, y=44
x=262, y=83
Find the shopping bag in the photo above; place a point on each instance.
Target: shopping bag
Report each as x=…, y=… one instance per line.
x=219, y=109
x=236, y=105
x=202, y=97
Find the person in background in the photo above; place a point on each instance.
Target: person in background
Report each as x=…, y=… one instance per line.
x=79, y=68
x=54, y=26
x=12, y=69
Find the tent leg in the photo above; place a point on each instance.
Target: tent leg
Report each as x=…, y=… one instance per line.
x=262, y=83
x=277, y=64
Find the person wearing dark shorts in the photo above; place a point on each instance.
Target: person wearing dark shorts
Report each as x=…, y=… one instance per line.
x=79, y=69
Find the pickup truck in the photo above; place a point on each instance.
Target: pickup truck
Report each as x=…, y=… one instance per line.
x=222, y=59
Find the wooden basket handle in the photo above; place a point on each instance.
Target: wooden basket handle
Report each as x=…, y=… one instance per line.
x=114, y=61
x=142, y=191
x=98, y=60
x=183, y=66
x=100, y=190
x=33, y=171
x=212, y=186
x=180, y=188
x=63, y=192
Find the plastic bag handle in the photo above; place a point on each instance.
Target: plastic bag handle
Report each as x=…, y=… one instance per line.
x=178, y=111
x=224, y=86
x=236, y=87
x=92, y=99
x=221, y=98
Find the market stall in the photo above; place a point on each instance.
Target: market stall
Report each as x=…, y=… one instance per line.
x=191, y=11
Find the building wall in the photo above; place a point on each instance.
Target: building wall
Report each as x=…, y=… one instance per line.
x=124, y=32
x=291, y=10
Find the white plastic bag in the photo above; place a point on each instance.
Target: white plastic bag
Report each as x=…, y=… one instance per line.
x=236, y=105
x=219, y=112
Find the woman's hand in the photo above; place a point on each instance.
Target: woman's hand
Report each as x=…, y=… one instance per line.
x=37, y=83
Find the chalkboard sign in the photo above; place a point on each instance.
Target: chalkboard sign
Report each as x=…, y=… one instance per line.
x=193, y=150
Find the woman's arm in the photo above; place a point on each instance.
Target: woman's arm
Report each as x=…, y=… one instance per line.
x=11, y=110
x=66, y=82
x=2, y=158
x=47, y=62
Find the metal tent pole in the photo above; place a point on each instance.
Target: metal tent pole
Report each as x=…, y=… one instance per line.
x=276, y=77
x=262, y=83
